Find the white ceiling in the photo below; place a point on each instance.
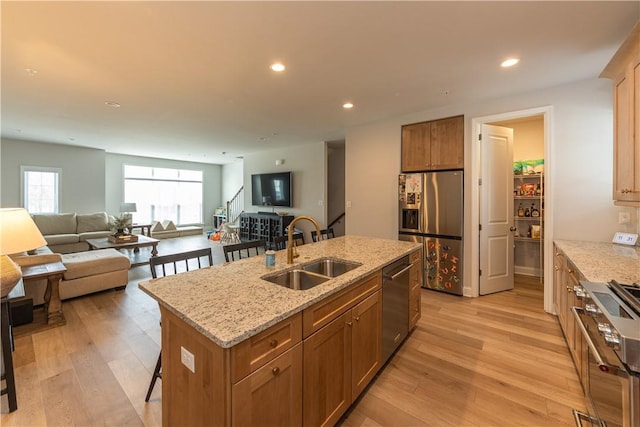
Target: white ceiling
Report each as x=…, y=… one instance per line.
x=193, y=78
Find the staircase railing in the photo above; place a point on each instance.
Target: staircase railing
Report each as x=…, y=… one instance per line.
x=235, y=206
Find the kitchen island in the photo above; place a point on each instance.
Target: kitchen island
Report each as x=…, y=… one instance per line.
x=238, y=350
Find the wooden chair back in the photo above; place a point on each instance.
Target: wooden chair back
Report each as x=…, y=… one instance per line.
x=237, y=250
x=280, y=242
x=325, y=234
x=166, y=265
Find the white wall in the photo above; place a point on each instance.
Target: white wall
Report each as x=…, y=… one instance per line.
x=581, y=163
x=232, y=180
x=308, y=164
x=212, y=186
x=82, y=182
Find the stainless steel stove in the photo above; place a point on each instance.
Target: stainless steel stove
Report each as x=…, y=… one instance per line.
x=610, y=326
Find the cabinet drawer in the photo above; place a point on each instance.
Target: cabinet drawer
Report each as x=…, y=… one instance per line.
x=414, y=257
x=325, y=311
x=256, y=351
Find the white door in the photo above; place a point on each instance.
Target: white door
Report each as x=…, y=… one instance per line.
x=496, y=209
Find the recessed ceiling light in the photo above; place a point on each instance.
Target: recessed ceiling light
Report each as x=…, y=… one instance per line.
x=509, y=62
x=277, y=67
x=347, y=105
x=112, y=104
x=31, y=71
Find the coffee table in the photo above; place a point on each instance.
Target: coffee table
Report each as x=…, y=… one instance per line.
x=143, y=241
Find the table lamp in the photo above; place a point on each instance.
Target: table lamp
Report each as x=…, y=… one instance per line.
x=126, y=209
x=18, y=233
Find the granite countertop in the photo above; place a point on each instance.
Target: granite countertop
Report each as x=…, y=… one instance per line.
x=601, y=262
x=229, y=303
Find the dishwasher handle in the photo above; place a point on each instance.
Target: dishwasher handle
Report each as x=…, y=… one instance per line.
x=394, y=276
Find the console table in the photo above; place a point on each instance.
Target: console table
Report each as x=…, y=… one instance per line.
x=263, y=225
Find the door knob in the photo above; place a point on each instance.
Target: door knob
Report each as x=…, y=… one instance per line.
x=512, y=228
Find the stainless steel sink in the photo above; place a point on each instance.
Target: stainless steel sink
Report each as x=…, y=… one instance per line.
x=296, y=279
x=331, y=267
x=312, y=274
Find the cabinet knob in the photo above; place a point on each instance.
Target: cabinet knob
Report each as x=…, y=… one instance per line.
x=349, y=324
x=556, y=268
x=569, y=289
x=275, y=371
x=357, y=318
x=273, y=343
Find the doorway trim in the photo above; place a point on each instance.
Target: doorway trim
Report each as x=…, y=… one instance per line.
x=476, y=123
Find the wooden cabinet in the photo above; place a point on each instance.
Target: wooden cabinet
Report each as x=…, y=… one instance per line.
x=624, y=71
x=415, y=286
x=566, y=284
x=272, y=395
x=305, y=370
x=342, y=349
x=340, y=359
x=433, y=145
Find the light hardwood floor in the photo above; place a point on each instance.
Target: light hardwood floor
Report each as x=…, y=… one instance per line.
x=498, y=360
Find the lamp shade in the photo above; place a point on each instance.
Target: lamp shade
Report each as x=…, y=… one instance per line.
x=127, y=207
x=18, y=232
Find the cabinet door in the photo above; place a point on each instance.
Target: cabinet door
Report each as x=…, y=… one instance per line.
x=415, y=306
x=447, y=143
x=625, y=175
x=366, y=341
x=416, y=147
x=327, y=373
x=272, y=395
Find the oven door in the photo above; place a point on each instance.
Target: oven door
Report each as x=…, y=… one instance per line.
x=610, y=388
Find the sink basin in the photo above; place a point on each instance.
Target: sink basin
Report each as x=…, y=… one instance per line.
x=296, y=279
x=330, y=267
x=311, y=274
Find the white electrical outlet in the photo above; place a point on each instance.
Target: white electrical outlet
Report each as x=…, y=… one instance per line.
x=625, y=238
x=188, y=359
x=624, y=217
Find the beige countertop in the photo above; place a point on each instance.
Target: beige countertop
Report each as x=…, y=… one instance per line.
x=229, y=303
x=601, y=262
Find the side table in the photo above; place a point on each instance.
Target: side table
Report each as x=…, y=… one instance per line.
x=7, y=346
x=53, y=272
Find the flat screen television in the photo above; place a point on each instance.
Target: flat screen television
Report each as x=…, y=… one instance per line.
x=271, y=189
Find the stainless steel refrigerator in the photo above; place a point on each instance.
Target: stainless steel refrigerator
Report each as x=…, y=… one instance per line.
x=431, y=212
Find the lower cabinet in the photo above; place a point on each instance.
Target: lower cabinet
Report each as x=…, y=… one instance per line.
x=340, y=360
x=272, y=395
x=415, y=285
x=566, y=284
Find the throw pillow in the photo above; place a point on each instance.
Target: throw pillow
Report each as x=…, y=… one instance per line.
x=157, y=226
x=168, y=225
x=93, y=222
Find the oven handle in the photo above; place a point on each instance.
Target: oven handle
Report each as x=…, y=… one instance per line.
x=603, y=366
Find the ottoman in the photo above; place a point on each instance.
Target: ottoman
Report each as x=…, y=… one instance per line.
x=93, y=271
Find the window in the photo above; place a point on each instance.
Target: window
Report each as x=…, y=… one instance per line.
x=164, y=194
x=40, y=189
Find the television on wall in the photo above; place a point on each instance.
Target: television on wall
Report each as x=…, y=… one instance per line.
x=271, y=189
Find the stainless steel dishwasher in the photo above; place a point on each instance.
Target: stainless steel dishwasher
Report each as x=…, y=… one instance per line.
x=395, y=305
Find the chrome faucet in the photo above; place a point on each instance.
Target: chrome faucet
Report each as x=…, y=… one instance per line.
x=290, y=244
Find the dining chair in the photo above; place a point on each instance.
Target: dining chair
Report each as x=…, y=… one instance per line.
x=244, y=248
x=167, y=265
x=280, y=242
x=325, y=234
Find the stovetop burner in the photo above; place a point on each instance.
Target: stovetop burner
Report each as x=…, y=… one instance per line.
x=630, y=294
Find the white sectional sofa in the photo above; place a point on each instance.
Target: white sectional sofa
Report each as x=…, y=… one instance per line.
x=68, y=232
x=87, y=272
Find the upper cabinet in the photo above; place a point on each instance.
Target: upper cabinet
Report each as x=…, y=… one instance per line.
x=434, y=145
x=624, y=71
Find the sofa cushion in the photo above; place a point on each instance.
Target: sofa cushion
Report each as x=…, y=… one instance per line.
x=91, y=263
x=94, y=235
x=92, y=222
x=55, y=223
x=60, y=239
